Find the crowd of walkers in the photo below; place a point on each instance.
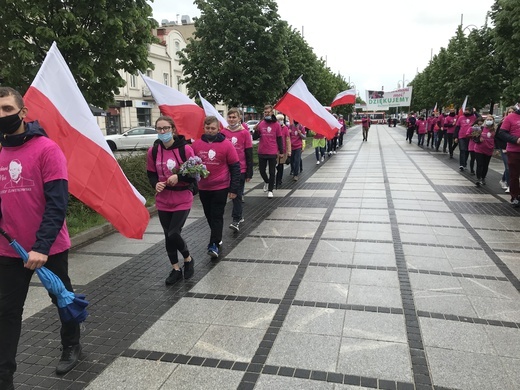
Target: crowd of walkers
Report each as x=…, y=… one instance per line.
x=478, y=138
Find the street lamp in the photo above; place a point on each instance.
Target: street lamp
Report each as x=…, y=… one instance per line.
x=468, y=26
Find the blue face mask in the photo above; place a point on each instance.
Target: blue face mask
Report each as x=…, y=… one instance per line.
x=165, y=137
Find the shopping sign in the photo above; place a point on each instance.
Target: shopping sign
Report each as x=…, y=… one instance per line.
x=381, y=100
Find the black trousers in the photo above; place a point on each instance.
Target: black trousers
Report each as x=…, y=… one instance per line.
x=14, y=285
x=440, y=135
x=214, y=205
x=482, y=165
x=172, y=223
x=263, y=162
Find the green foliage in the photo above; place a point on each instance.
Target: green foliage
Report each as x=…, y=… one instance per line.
x=97, y=38
x=237, y=54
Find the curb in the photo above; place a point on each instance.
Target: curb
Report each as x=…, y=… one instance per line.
x=97, y=232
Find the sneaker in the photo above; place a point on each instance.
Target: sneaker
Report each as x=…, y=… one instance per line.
x=483, y=181
x=318, y=162
x=477, y=183
x=472, y=173
x=322, y=158
x=507, y=190
x=188, y=268
x=235, y=226
x=69, y=359
x=174, y=277
x=295, y=178
x=334, y=152
x=503, y=184
x=330, y=154
x=461, y=168
x=270, y=194
x=266, y=187
x=515, y=203
x=213, y=250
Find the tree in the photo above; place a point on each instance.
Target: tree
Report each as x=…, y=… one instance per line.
x=97, y=38
x=237, y=54
x=505, y=15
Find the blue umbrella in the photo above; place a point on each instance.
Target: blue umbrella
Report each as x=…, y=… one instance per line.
x=71, y=307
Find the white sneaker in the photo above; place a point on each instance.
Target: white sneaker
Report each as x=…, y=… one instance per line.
x=503, y=184
x=507, y=190
x=322, y=158
x=334, y=152
x=318, y=162
x=270, y=194
x=266, y=187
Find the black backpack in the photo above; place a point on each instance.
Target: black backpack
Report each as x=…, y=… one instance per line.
x=193, y=186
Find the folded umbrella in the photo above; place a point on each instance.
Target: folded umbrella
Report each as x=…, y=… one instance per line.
x=71, y=307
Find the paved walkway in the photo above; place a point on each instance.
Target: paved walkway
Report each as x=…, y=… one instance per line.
x=383, y=267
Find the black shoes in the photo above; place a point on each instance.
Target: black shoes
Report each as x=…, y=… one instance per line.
x=6, y=384
x=188, y=268
x=174, y=277
x=69, y=359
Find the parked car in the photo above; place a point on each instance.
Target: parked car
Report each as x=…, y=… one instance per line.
x=251, y=124
x=136, y=138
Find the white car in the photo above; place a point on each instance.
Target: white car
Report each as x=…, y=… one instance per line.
x=251, y=124
x=141, y=137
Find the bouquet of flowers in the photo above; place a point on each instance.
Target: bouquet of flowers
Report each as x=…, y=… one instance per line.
x=476, y=132
x=194, y=167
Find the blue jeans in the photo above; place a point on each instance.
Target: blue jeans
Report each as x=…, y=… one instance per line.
x=505, y=175
x=463, y=152
x=296, y=156
x=237, y=202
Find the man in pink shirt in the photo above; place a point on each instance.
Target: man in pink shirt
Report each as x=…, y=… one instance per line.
x=32, y=211
x=510, y=132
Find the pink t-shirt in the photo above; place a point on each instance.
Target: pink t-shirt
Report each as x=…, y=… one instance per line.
x=269, y=131
x=217, y=156
x=449, y=124
x=421, y=126
x=285, y=136
x=168, y=163
x=488, y=142
x=511, y=124
x=241, y=140
x=296, y=139
x=465, y=123
x=25, y=169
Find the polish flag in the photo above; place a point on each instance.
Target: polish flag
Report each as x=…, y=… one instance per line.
x=435, y=108
x=345, y=97
x=187, y=115
x=210, y=110
x=299, y=104
x=95, y=177
x=461, y=111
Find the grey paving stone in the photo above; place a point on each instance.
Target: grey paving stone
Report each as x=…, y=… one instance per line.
x=271, y=227
x=374, y=326
x=511, y=260
x=428, y=263
x=489, y=288
x=340, y=230
x=314, y=320
x=377, y=259
x=126, y=373
x=219, y=284
x=468, y=370
x=271, y=382
x=260, y=248
x=374, y=296
x=196, y=310
x=375, y=359
x=505, y=340
x=37, y=299
x=438, y=283
x=322, y=292
x=170, y=336
x=83, y=268
x=246, y=314
x=374, y=247
x=228, y=342
x=327, y=274
x=496, y=308
x=308, y=351
x=116, y=243
x=444, y=302
x=410, y=251
x=187, y=377
x=258, y=287
x=458, y=336
x=374, y=278
x=298, y=213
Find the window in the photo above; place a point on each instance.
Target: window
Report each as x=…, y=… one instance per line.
x=149, y=73
x=133, y=81
x=144, y=117
x=177, y=49
x=166, y=77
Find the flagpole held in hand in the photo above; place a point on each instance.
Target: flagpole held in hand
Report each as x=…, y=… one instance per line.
x=71, y=307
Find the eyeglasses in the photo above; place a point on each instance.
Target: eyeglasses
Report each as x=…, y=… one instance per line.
x=163, y=129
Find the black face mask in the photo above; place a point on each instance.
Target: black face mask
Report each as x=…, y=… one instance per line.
x=10, y=123
x=452, y=114
x=211, y=138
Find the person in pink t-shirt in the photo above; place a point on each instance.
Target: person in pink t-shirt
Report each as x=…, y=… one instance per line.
x=270, y=147
x=510, y=132
x=484, y=145
x=286, y=142
x=221, y=160
x=479, y=123
x=32, y=209
x=241, y=140
x=173, y=198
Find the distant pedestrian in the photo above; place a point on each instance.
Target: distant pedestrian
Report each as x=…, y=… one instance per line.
x=484, y=144
x=319, y=143
x=410, y=126
x=365, y=124
x=286, y=151
x=297, y=136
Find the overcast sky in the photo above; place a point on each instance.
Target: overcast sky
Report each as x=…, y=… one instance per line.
x=372, y=43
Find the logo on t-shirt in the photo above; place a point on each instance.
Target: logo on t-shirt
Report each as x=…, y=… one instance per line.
x=17, y=180
x=268, y=129
x=212, y=154
x=234, y=140
x=171, y=164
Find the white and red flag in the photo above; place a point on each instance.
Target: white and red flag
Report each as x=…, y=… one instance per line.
x=299, y=104
x=435, y=108
x=345, y=97
x=210, y=110
x=461, y=111
x=187, y=115
x=95, y=177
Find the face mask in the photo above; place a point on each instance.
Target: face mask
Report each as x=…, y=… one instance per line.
x=452, y=114
x=165, y=137
x=211, y=138
x=235, y=126
x=268, y=118
x=489, y=123
x=10, y=123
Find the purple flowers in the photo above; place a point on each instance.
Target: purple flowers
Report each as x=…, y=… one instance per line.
x=194, y=167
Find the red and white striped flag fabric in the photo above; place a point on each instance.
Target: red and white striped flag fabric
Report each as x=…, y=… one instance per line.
x=461, y=111
x=300, y=105
x=210, y=110
x=187, y=115
x=95, y=177
x=435, y=108
x=345, y=97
